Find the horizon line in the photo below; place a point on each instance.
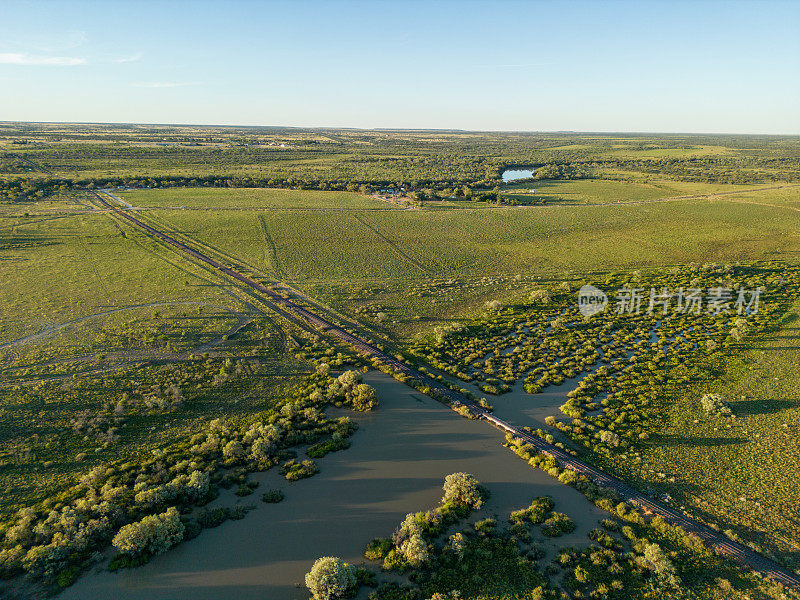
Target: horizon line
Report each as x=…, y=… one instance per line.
x=390, y=129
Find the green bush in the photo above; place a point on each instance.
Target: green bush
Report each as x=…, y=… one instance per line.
x=558, y=524
x=68, y=576
x=272, y=496
x=535, y=513
x=378, y=548
x=294, y=470
x=214, y=517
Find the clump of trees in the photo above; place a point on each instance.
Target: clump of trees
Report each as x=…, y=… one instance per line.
x=153, y=534
x=410, y=545
x=349, y=389
x=136, y=506
x=563, y=171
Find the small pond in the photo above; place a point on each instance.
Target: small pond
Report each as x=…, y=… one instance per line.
x=514, y=174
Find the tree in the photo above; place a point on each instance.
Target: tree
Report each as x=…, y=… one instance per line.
x=197, y=486
x=463, y=488
x=714, y=404
x=610, y=438
x=657, y=561
x=415, y=550
x=330, y=578
x=364, y=397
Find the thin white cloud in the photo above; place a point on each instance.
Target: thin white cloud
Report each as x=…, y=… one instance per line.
x=128, y=59
x=163, y=84
x=21, y=58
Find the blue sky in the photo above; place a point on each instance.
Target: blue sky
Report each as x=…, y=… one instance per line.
x=728, y=67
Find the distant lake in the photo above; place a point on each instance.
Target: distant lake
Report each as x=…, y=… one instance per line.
x=513, y=174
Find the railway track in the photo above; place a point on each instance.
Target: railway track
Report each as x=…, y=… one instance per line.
x=715, y=540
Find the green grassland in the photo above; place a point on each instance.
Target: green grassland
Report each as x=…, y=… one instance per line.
x=608, y=191
x=743, y=473
x=90, y=305
x=588, y=191
x=251, y=198
x=58, y=270
x=398, y=255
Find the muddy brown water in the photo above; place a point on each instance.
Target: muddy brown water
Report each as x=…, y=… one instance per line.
x=397, y=462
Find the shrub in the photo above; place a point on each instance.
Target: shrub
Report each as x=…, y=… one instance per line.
x=212, y=518
x=45, y=561
x=233, y=450
x=415, y=550
x=272, y=496
x=68, y=576
x=485, y=526
x=609, y=438
x=332, y=445
x=495, y=305
x=540, y=296
x=535, y=513
x=243, y=490
x=457, y=543
x=659, y=563
x=197, y=486
x=378, y=549
x=294, y=470
x=557, y=524
x=363, y=397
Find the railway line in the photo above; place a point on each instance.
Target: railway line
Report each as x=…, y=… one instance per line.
x=715, y=540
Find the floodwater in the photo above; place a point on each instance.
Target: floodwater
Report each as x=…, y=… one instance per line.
x=397, y=463
x=514, y=174
x=522, y=409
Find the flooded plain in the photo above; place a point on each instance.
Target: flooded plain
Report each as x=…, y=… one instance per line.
x=396, y=465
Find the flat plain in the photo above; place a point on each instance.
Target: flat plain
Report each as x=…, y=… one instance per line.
x=119, y=353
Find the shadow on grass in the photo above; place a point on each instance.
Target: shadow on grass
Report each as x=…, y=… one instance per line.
x=763, y=406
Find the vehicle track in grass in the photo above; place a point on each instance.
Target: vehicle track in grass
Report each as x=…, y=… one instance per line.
x=271, y=250
x=393, y=245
